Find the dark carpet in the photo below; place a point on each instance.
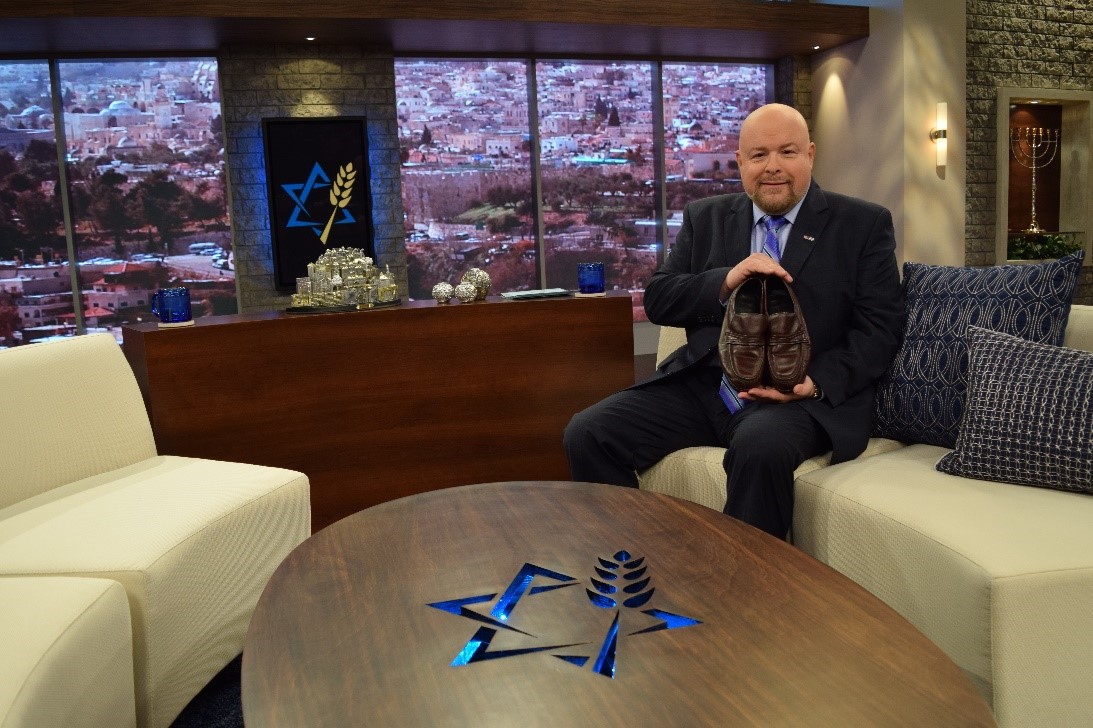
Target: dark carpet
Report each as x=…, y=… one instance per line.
x=218, y=704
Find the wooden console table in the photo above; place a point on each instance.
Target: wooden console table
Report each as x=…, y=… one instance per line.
x=377, y=405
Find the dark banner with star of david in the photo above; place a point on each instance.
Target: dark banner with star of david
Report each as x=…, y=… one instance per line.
x=319, y=192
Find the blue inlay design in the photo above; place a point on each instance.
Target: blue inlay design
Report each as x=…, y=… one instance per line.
x=547, y=587
x=634, y=571
x=458, y=607
x=519, y=585
x=455, y=606
x=577, y=660
x=605, y=662
x=477, y=648
x=668, y=621
x=603, y=588
x=599, y=600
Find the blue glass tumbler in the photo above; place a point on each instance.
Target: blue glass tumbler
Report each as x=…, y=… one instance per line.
x=590, y=279
x=172, y=305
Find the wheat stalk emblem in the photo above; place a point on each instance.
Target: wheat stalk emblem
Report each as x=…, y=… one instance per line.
x=341, y=192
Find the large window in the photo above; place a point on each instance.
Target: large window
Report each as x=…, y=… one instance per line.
x=144, y=162
x=36, y=300
x=596, y=147
x=603, y=130
x=703, y=107
x=466, y=172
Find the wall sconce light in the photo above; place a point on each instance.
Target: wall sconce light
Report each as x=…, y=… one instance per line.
x=939, y=135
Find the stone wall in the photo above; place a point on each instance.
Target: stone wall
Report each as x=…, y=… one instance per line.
x=303, y=81
x=793, y=84
x=1040, y=44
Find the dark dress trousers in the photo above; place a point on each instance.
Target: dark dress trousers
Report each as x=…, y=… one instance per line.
x=841, y=254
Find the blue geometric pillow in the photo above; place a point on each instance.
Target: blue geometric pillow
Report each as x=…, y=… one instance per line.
x=921, y=396
x=1028, y=419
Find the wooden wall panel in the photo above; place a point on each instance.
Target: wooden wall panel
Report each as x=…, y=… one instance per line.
x=734, y=14
x=377, y=405
x=739, y=29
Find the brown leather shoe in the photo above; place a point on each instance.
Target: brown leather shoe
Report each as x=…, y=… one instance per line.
x=743, y=343
x=788, y=345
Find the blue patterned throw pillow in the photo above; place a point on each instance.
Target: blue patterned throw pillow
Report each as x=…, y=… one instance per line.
x=1029, y=417
x=921, y=396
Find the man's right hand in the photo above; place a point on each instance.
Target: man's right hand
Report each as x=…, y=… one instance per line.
x=756, y=264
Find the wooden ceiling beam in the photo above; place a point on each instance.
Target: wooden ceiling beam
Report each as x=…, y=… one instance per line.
x=685, y=28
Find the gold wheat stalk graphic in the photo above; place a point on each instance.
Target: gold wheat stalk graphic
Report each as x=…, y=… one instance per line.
x=341, y=192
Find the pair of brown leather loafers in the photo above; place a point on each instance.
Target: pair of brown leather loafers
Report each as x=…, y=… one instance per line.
x=764, y=340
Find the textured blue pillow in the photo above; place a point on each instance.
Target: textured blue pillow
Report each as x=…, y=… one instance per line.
x=921, y=396
x=1029, y=417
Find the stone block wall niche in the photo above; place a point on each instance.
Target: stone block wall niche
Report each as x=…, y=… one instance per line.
x=1076, y=179
x=1042, y=47
x=305, y=81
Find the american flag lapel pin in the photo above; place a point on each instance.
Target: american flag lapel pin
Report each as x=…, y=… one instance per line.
x=809, y=238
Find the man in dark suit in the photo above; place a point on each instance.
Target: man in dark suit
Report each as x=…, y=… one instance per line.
x=839, y=255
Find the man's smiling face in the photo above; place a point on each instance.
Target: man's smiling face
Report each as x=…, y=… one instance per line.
x=775, y=158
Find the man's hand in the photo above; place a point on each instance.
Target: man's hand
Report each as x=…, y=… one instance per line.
x=803, y=390
x=756, y=264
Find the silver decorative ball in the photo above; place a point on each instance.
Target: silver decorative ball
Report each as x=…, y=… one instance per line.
x=442, y=292
x=480, y=279
x=466, y=292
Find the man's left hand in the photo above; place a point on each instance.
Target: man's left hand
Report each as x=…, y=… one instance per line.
x=771, y=395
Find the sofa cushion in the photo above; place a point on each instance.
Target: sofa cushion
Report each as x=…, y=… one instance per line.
x=697, y=474
x=921, y=396
x=192, y=541
x=1028, y=414
x=1079, y=328
x=77, y=396
x=67, y=655
x=999, y=576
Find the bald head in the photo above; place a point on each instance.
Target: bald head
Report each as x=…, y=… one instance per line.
x=775, y=157
x=774, y=114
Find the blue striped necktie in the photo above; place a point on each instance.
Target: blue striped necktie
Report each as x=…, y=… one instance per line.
x=729, y=396
x=771, y=247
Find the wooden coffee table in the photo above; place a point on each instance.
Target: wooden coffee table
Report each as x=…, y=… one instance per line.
x=492, y=605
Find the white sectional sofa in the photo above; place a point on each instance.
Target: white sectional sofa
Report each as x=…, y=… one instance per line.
x=67, y=655
x=1000, y=576
x=190, y=543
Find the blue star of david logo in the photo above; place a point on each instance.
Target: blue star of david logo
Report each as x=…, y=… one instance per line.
x=299, y=193
x=620, y=583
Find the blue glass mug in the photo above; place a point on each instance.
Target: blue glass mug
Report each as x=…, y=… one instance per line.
x=590, y=278
x=172, y=305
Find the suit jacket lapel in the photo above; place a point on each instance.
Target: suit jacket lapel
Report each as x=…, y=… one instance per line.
x=738, y=222
x=806, y=230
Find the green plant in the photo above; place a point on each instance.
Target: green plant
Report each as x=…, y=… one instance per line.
x=1041, y=246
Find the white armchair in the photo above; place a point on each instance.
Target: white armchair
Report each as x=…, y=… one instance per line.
x=84, y=493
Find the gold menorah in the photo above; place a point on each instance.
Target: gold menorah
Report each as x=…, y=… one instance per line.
x=1034, y=148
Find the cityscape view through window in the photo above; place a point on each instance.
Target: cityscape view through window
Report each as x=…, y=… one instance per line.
x=146, y=194
x=467, y=190
x=612, y=185
x=596, y=156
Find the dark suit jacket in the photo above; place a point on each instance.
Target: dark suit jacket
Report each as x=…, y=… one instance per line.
x=841, y=254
